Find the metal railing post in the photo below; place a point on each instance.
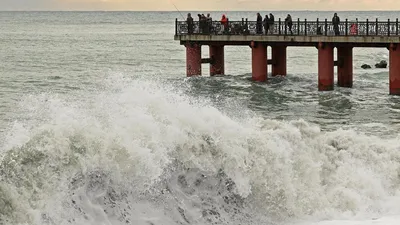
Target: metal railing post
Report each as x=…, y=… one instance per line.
x=285, y=29
x=376, y=27
x=357, y=26
x=298, y=26
x=247, y=26
x=241, y=27
x=367, y=28
x=326, y=27
x=388, y=24
x=317, y=25
x=397, y=26
x=305, y=27
x=347, y=27
x=176, y=26
x=279, y=26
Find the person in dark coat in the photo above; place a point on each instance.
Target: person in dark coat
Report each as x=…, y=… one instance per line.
x=266, y=24
x=209, y=23
x=289, y=23
x=190, y=23
x=259, y=24
x=271, y=23
x=336, y=22
x=200, y=24
x=206, y=29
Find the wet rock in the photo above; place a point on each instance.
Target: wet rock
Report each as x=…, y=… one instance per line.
x=366, y=66
x=381, y=64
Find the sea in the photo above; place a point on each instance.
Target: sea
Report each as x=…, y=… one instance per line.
x=99, y=125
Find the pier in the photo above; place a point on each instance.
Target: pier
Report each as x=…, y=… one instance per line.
x=318, y=34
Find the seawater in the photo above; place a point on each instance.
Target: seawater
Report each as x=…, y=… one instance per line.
x=99, y=125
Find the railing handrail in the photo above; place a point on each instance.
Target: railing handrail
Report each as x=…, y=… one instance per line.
x=299, y=28
x=295, y=21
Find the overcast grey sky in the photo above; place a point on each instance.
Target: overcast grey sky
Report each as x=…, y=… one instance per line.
x=138, y=5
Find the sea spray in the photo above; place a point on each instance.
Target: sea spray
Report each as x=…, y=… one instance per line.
x=142, y=152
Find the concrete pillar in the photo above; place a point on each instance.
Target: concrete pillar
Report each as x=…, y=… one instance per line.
x=279, y=59
x=259, y=61
x=345, y=66
x=217, y=67
x=193, y=59
x=394, y=69
x=325, y=67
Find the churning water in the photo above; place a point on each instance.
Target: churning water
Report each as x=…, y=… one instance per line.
x=100, y=126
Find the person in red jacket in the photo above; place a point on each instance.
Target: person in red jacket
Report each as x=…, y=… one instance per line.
x=224, y=23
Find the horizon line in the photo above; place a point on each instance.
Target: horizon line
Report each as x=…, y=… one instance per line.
x=297, y=10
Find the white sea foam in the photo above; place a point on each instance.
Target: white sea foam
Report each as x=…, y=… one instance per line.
x=140, y=152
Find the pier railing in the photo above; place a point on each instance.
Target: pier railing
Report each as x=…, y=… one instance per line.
x=299, y=28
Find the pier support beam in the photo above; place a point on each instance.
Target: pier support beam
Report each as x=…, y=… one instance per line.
x=325, y=67
x=259, y=61
x=193, y=59
x=217, y=66
x=394, y=69
x=345, y=66
x=279, y=59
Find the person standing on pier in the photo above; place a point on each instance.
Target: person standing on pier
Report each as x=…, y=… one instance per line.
x=190, y=24
x=266, y=24
x=225, y=25
x=336, y=22
x=289, y=23
x=200, y=24
x=271, y=23
x=209, y=18
x=259, y=24
x=206, y=29
x=209, y=23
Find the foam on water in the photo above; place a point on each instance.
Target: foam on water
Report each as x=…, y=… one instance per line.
x=141, y=152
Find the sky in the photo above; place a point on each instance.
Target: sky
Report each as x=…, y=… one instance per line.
x=199, y=5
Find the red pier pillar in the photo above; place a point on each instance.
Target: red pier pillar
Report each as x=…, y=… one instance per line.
x=345, y=66
x=217, y=66
x=325, y=67
x=279, y=59
x=259, y=61
x=394, y=69
x=193, y=59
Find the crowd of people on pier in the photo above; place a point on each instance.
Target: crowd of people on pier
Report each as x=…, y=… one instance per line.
x=205, y=23
x=264, y=25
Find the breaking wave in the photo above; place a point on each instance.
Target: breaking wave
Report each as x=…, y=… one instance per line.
x=142, y=152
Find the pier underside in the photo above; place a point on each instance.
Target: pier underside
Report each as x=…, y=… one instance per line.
x=325, y=46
